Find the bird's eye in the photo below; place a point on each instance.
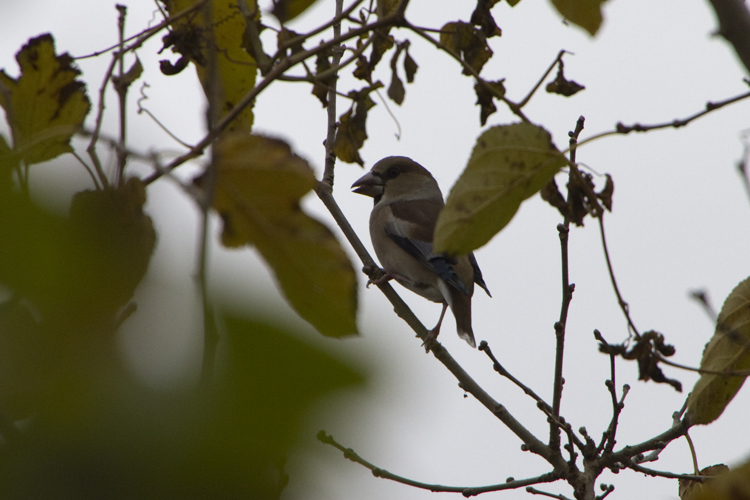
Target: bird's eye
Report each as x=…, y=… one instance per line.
x=393, y=172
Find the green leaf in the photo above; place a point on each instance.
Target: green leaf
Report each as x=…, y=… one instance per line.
x=259, y=185
x=100, y=434
x=585, y=13
x=509, y=164
x=732, y=485
x=237, y=70
x=46, y=104
x=727, y=351
x=286, y=10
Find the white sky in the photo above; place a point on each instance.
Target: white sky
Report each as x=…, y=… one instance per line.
x=681, y=221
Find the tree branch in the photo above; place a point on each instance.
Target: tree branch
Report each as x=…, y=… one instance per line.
x=466, y=491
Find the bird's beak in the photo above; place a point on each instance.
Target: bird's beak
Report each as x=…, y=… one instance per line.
x=368, y=185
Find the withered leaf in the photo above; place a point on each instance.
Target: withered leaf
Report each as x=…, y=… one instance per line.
x=468, y=43
x=487, y=92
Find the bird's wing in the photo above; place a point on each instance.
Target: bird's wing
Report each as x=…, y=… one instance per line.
x=478, y=274
x=411, y=229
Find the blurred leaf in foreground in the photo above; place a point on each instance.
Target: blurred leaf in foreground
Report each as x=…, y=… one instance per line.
x=259, y=186
x=107, y=437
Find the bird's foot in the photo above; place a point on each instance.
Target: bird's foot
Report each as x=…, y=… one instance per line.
x=431, y=339
x=385, y=277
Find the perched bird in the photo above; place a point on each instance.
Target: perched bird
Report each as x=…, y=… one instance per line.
x=407, y=203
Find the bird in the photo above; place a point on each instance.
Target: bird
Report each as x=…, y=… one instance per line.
x=407, y=202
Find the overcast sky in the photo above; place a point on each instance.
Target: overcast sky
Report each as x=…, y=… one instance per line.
x=681, y=221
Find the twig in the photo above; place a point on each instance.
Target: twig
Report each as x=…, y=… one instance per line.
x=535, y=491
x=122, y=90
x=669, y=475
x=484, y=346
x=91, y=149
x=248, y=98
x=567, y=295
x=623, y=305
x=680, y=122
x=702, y=298
x=330, y=156
x=467, y=491
x=526, y=99
x=693, y=454
x=742, y=165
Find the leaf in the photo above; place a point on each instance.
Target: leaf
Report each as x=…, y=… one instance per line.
x=485, y=96
x=113, y=236
x=352, y=130
x=410, y=67
x=689, y=489
x=286, y=10
x=46, y=104
x=468, y=43
x=321, y=86
x=237, y=70
x=259, y=186
x=733, y=485
x=127, y=79
x=585, y=13
x=727, y=351
x=509, y=164
x=482, y=17
x=101, y=434
x=562, y=86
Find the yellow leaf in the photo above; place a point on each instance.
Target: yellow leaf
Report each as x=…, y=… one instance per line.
x=237, y=70
x=259, y=185
x=509, y=164
x=585, y=13
x=46, y=104
x=727, y=351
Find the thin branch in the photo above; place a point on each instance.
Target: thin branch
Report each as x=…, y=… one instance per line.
x=677, y=123
x=567, y=296
x=526, y=99
x=623, y=305
x=330, y=156
x=467, y=491
x=248, y=98
x=122, y=91
x=659, y=442
x=669, y=475
x=484, y=346
x=91, y=149
x=534, y=491
x=88, y=169
x=141, y=37
x=742, y=165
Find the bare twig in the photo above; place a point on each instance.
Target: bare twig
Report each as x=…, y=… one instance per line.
x=535, y=491
x=467, y=491
x=122, y=91
x=623, y=305
x=484, y=346
x=669, y=475
x=677, y=123
x=567, y=295
x=330, y=156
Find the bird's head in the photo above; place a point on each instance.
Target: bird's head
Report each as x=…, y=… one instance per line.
x=397, y=178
